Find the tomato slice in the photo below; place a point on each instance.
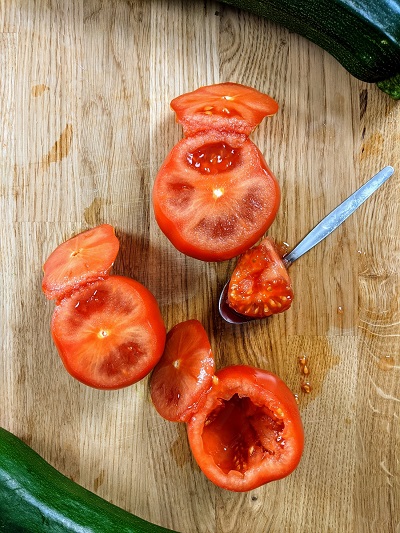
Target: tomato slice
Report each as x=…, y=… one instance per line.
x=79, y=260
x=227, y=106
x=249, y=432
x=260, y=285
x=184, y=373
x=215, y=196
x=109, y=333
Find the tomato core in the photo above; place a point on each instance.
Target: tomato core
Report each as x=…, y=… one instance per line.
x=239, y=434
x=214, y=158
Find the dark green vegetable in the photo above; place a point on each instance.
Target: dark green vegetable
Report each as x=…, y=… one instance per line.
x=36, y=498
x=363, y=35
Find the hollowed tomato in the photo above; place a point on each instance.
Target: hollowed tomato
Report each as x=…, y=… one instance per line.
x=184, y=373
x=109, y=333
x=248, y=432
x=81, y=259
x=226, y=106
x=260, y=285
x=215, y=196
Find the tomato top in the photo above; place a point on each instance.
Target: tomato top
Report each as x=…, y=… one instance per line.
x=79, y=260
x=215, y=196
x=260, y=285
x=224, y=107
x=249, y=431
x=184, y=373
x=109, y=333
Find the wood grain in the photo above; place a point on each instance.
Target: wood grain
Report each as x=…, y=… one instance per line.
x=85, y=125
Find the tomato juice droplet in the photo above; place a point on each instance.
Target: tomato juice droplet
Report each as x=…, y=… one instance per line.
x=282, y=247
x=304, y=371
x=303, y=364
x=306, y=387
x=214, y=158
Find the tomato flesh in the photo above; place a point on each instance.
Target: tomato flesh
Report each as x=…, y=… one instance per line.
x=215, y=196
x=260, y=285
x=79, y=260
x=184, y=373
x=224, y=106
x=239, y=435
x=249, y=431
x=109, y=333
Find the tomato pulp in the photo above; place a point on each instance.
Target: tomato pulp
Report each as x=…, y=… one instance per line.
x=260, y=285
x=214, y=196
x=248, y=432
x=184, y=373
x=109, y=333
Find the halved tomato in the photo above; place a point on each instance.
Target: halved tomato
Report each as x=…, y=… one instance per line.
x=230, y=107
x=109, y=333
x=215, y=196
x=260, y=284
x=79, y=260
x=184, y=373
x=248, y=432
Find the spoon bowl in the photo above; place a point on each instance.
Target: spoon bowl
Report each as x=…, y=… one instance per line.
x=324, y=228
x=229, y=314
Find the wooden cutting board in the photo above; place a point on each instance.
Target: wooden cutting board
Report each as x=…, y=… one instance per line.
x=85, y=125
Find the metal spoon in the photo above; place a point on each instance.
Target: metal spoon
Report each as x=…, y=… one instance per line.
x=316, y=235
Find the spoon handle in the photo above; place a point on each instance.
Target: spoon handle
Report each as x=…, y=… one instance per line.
x=338, y=215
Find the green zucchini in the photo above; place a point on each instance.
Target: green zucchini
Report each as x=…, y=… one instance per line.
x=36, y=498
x=363, y=35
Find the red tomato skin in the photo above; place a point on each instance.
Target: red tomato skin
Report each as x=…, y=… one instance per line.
x=191, y=224
x=264, y=388
x=148, y=323
x=184, y=374
x=81, y=259
x=228, y=106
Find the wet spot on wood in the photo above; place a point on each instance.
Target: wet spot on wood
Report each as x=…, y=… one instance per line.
x=386, y=362
x=39, y=90
x=98, y=480
x=60, y=149
x=363, y=102
x=92, y=214
x=373, y=146
x=179, y=450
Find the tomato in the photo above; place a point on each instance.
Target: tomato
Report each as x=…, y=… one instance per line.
x=260, y=285
x=184, y=373
x=81, y=259
x=109, y=333
x=249, y=431
x=224, y=106
x=215, y=196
